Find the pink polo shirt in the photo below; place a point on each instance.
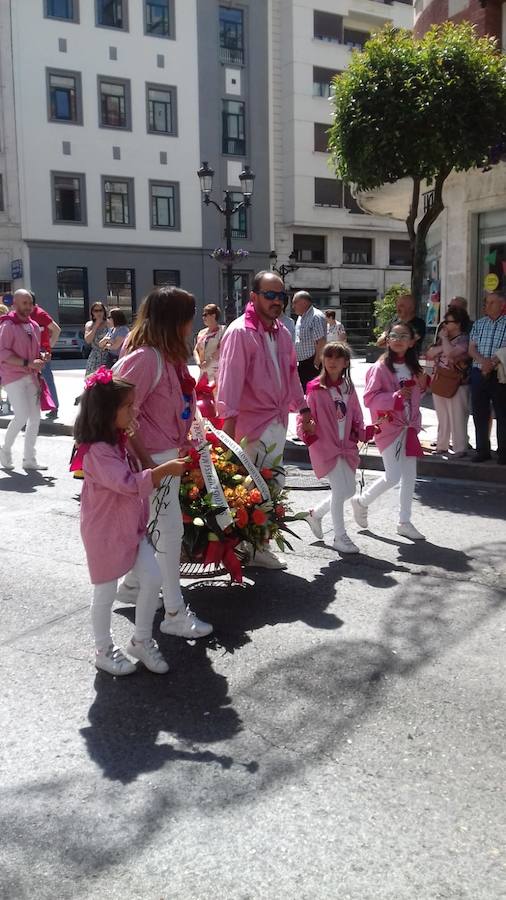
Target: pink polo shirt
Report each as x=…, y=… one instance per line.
x=114, y=511
x=19, y=339
x=160, y=409
x=250, y=388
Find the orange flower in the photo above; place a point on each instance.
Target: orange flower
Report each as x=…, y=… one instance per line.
x=255, y=496
x=193, y=493
x=268, y=474
x=241, y=518
x=258, y=516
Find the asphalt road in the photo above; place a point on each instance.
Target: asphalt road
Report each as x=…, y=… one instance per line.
x=341, y=736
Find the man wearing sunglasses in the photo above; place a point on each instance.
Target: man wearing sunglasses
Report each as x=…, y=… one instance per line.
x=310, y=336
x=258, y=384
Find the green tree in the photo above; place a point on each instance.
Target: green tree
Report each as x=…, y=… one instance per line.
x=385, y=309
x=418, y=108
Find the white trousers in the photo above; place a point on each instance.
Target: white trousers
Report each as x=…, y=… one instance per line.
x=342, y=487
x=167, y=537
x=23, y=396
x=398, y=468
x=452, y=419
x=274, y=436
x=146, y=574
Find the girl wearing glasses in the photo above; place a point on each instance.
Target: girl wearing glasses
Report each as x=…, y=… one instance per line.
x=332, y=434
x=451, y=352
x=393, y=390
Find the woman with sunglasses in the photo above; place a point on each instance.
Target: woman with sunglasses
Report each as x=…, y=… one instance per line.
x=94, y=331
x=393, y=390
x=154, y=361
x=451, y=352
x=207, y=345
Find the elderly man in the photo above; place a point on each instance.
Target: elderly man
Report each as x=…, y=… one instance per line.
x=49, y=334
x=310, y=336
x=20, y=365
x=488, y=336
x=406, y=315
x=258, y=384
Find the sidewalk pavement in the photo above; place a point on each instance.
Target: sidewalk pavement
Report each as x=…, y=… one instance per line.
x=69, y=377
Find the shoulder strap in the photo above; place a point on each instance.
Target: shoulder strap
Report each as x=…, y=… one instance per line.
x=116, y=368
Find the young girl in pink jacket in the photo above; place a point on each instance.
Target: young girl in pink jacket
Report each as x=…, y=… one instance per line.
x=393, y=390
x=336, y=426
x=114, y=516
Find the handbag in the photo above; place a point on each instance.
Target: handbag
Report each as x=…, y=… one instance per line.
x=446, y=382
x=47, y=403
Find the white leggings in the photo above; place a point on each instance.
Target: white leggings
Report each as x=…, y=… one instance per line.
x=23, y=396
x=147, y=575
x=274, y=436
x=167, y=537
x=342, y=487
x=452, y=419
x=398, y=467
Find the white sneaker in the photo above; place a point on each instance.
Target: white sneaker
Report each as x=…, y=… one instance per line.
x=359, y=511
x=407, y=529
x=344, y=544
x=114, y=661
x=6, y=459
x=265, y=559
x=31, y=465
x=149, y=654
x=185, y=624
x=315, y=524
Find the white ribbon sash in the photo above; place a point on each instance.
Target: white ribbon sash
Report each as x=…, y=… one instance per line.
x=243, y=457
x=209, y=473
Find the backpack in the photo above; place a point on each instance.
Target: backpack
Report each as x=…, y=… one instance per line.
x=116, y=368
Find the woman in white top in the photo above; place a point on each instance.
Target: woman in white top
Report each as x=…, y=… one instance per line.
x=335, y=330
x=207, y=346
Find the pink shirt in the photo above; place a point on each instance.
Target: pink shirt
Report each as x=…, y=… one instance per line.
x=382, y=395
x=114, y=511
x=249, y=386
x=19, y=339
x=159, y=409
x=329, y=446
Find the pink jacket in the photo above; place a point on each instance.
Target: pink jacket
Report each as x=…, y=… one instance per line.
x=19, y=339
x=114, y=511
x=160, y=409
x=382, y=395
x=248, y=384
x=328, y=446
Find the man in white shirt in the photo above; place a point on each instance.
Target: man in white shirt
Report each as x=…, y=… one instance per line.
x=310, y=336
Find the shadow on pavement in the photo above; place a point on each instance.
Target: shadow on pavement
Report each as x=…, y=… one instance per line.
x=470, y=499
x=26, y=483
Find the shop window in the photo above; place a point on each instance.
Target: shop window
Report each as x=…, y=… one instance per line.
x=170, y=277
x=121, y=290
x=72, y=294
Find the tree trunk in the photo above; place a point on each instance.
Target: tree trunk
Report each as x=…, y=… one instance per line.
x=418, y=235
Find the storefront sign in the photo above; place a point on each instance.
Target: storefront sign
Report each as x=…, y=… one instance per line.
x=491, y=282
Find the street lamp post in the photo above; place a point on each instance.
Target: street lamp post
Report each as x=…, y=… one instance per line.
x=228, y=209
x=285, y=268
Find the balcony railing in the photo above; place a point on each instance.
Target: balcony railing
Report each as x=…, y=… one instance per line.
x=233, y=55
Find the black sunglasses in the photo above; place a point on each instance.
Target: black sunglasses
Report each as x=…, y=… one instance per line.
x=274, y=295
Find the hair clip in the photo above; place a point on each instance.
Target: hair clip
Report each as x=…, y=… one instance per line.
x=103, y=375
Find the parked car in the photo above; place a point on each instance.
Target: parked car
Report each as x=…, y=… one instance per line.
x=71, y=343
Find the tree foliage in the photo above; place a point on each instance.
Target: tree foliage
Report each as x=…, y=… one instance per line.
x=385, y=309
x=418, y=108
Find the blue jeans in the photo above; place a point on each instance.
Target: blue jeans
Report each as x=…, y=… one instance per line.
x=47, y=374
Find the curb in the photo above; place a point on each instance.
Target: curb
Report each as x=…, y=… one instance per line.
x=489, y=473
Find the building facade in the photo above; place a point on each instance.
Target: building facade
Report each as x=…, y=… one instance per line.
x=344, y=258
x=112, y=116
